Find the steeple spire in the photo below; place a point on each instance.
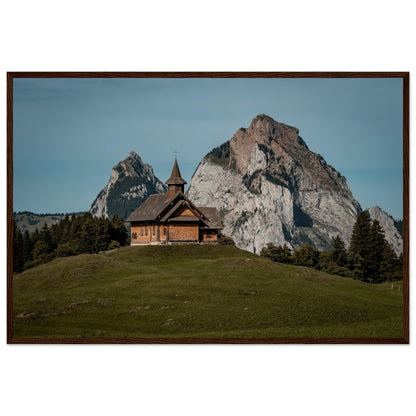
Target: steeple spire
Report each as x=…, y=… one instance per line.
x=175, y=183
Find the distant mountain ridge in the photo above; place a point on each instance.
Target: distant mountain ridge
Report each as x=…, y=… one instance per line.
x=130, y=184
x=30, y=221
x=269, y=187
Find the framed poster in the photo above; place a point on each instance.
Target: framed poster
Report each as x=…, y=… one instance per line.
x=208, y=207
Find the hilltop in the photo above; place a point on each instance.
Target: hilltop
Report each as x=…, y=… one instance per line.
x=197, y=291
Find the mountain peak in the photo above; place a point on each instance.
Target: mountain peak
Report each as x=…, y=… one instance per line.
x=262, y=118
x=130, y=183
x=276, y=140
x=262, y=126
x=266, y=125
x=133, y=155
x=270, y=187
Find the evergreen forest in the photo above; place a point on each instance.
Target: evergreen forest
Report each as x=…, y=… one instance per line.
x=71, y=236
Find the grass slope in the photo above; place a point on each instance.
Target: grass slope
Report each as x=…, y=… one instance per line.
x=197, y=291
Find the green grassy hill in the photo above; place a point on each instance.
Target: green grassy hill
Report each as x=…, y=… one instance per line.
x=197, y=291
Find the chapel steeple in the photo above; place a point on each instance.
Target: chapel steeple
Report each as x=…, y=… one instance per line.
x=175, y=183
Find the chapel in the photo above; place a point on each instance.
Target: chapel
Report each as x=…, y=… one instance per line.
x=171, y=218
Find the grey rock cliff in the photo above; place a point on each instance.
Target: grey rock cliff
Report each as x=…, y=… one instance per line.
x=391, y=233
x=269, y=187
x=130, y=184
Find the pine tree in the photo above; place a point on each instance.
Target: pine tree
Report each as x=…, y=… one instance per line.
x=88, y=234
x=118, y=231
x=377, y=244
x=359, y=250
x=65, y=226
x=324, y=261
x=18, y=259
x=45, y=236
x=371, y=258
x=339, y=255
x=389, y=263
x=286, y=254
x=75, y=234
x=27, y=247
x=56, y=234
x=35, y=237
x=40, y=252
x=103, y=233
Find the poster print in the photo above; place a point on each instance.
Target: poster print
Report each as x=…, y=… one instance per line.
x=208, y=207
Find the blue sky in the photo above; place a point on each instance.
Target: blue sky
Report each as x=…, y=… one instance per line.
x=69, y=133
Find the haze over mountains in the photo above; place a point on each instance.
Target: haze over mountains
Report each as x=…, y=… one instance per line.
x=267, y=186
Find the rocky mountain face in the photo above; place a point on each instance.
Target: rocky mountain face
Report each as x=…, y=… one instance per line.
x=131, y=182
x=390, y=230
x=269, y=187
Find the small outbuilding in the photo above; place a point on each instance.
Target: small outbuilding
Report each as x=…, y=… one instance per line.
x=171, y=218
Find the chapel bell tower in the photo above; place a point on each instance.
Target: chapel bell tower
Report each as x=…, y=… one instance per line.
x=175, y=183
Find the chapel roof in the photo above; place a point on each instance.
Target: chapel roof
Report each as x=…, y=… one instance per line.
x=158, y=204
x=213, y=217
x=175, y=177
x=150, y=208
x=181, y=202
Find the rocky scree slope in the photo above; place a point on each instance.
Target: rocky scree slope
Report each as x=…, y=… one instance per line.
x=269, y=187
x=130, y=184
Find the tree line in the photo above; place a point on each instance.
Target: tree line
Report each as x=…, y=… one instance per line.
x=71, y=236
x=369, y=258
x=56, y=214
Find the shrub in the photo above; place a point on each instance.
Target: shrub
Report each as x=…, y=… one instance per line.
x=282, y=254
x=224, y=240
x=113, y=245
x=306, y=255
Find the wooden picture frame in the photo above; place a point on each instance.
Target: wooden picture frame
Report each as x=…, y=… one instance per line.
x=404, y=76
